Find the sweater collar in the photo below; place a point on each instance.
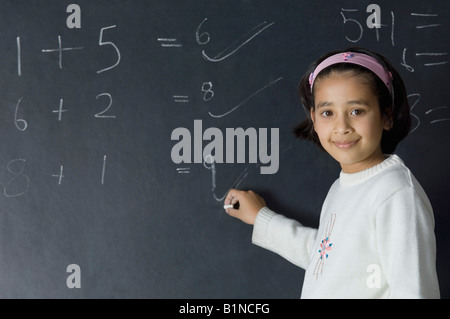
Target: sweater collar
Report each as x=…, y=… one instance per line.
x=346, y=179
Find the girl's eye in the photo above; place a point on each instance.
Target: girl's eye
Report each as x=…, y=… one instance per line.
x=327, y=113
x=357, y=112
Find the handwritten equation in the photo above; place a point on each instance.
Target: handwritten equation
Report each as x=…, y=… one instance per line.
x=203, y=38
x=422, y=24
x=354, y=31
x=19, y=183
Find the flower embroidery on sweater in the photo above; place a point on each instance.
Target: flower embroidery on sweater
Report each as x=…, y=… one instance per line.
x=325, y=247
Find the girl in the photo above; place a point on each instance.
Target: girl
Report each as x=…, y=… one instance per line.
x=376, y=232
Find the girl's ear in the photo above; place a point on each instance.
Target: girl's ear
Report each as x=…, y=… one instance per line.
x=313, y=118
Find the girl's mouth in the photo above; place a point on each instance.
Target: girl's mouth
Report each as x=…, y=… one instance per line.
x=345, y=144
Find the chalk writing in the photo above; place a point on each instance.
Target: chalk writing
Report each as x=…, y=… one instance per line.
x=245, y=100
x=60, y=175
x=116, y=49
x=357, y=21
x=417, y=96
x=180, y=98
x=60, y=51
x=20, y=183
x=360, y=29
x=425, y=15
x=235, y=46
x=20, y=123
x=199, y=36
x=19, y=57
x=169, y=43
x=102, y=113
x=60, y=110
x=103, y=170
x=409, y=60
x=431, y=55
x=208, y=92
x=440, y=108
x=210, y=164
x=406, y=65
x=434, y=54
x=414, y=100
x=183, y=170
x=348, y=20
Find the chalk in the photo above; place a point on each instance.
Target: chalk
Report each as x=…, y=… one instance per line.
x=234, y=206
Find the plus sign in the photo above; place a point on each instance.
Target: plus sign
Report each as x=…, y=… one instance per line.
x=60, y=110
x=60, y=50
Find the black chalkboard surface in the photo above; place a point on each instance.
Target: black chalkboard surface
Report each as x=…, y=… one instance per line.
x=109, y=110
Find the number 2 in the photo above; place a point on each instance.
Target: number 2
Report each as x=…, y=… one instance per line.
x=101, y=114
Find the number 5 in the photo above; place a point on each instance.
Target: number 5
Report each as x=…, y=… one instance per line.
x=357, y=23
x=100, y=42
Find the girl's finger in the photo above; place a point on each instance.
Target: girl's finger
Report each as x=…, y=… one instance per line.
x=232, y=197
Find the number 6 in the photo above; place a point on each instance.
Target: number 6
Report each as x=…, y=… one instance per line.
x=17, y=121
x=198, y=36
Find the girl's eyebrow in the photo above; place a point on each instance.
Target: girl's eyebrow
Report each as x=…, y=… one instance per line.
x=324, y=104
x=351, y=102
x=358, y=102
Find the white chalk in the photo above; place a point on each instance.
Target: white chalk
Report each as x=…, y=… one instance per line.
x=227, y=206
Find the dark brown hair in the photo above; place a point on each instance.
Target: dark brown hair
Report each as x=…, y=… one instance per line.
x=395, y=106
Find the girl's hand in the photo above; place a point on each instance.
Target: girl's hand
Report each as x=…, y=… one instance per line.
x=250, y=204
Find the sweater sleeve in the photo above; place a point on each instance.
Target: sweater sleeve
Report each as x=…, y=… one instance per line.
x=284, y=236
x=407, y=245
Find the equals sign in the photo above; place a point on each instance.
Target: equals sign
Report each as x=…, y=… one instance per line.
x=183, y=170
x=434, y=54
x=169, y=43
x=180, y=98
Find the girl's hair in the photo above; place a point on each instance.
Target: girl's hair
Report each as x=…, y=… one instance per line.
x=395, y=106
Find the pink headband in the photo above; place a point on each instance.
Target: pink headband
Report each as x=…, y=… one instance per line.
x=355, y=58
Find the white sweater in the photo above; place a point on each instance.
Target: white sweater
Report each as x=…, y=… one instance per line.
x=375, y=238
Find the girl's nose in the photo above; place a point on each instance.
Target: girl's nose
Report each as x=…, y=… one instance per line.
x=342, y=125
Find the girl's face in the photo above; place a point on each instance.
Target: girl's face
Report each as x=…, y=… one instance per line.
x=348, y=121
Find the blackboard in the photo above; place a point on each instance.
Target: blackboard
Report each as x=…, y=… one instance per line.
x=94, y=205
